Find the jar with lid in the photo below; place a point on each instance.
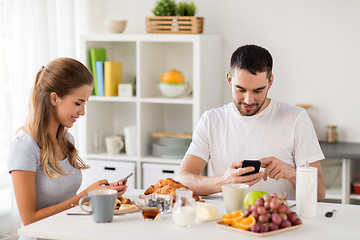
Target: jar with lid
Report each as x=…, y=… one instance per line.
x=331, y=134
x=184, y=211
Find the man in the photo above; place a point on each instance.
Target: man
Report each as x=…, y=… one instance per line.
x=253, y=126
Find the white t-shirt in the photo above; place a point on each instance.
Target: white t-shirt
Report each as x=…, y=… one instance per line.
x=284, y=131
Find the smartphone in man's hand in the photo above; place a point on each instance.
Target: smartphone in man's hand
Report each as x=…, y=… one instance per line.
x=251, y=163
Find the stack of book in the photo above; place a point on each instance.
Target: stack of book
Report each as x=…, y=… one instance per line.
x=107, y=74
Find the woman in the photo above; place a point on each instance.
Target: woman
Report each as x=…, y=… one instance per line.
x=44, y=164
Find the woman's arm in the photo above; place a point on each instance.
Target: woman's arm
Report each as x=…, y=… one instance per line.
x=25, y=194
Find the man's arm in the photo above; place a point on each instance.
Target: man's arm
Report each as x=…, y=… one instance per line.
x=321, y=183
x=276, y=169
x=192, y=166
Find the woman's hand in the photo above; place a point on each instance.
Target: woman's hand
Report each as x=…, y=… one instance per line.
x=104, y=184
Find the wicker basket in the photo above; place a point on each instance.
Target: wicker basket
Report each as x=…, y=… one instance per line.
x=190, y=25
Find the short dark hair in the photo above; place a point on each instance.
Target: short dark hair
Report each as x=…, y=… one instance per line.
x=252, y=58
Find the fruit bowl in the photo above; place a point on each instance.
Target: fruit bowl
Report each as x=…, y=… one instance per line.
x=172, y=89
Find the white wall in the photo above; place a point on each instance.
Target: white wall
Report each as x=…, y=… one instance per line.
x=315, y=46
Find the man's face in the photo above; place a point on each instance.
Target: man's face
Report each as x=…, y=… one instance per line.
x=249, y=91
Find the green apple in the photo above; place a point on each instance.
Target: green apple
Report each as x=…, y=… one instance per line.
x=252, y=196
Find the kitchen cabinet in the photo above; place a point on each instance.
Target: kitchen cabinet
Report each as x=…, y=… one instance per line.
x=145, y=57
x=349, y=155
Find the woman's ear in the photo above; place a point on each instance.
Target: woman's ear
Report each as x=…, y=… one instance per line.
x=53, y=98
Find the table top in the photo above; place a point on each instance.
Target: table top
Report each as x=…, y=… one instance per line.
x=341, y=150
x=344, y=224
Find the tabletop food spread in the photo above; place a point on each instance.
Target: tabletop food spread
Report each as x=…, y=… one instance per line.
x=156, y=209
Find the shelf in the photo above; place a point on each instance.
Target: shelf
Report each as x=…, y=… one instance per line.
x=355, y=196
x=182, y=100
x=333, y=193
x=112, y=157
x=152, y=159
x=111, y=99
x=145, y=57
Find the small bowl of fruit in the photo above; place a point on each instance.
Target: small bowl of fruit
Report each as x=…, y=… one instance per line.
x=162, y=202
x=173, y=84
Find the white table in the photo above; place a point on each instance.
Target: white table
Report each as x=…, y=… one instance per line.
x=344, y=224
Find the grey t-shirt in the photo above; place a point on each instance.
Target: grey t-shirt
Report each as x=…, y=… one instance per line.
x=25, y=155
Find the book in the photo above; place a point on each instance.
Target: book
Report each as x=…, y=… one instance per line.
x=100, y=77
x=96, y=54
x=112, y=77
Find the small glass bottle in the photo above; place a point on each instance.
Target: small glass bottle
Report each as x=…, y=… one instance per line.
x=184, y=211
x=331, y=134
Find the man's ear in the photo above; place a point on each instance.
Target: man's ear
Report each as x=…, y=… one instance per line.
x=271, y=80
x=228, y=78
x=53, y=98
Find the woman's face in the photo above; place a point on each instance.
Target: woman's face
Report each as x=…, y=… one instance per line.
x=69, y=108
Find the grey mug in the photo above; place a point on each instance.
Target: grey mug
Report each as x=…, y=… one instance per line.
x=102, y=203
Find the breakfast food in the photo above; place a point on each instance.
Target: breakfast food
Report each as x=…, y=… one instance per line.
x=206, y=210
x=270, y=214
x=122, y=201
x=173, y=76
x=167, y=187
x=267, y=214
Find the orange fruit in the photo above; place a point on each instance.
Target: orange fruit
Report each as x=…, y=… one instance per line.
x=173, y=76
x=231, y=217
x=245, y=223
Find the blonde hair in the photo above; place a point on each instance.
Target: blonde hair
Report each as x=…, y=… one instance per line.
x=61, y=76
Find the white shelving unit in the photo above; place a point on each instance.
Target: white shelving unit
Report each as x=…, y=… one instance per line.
x=146, y=57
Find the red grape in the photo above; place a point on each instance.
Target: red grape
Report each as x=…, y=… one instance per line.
x=275, y=218
x=274, y=204
x=254, y=207
x=260, y=201
x=297, y=221
x=274, y=195
x=292, y=217
x=273, y=226
x=255, y=228
x=285, y=224
x=283, y=216
x=267, y=198
x=255, y=214
x=263, y=218
x=261, y=210
x=264, y=228
x=267, y=205
x=283, y=208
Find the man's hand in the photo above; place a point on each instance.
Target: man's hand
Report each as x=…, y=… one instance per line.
x=234, y=172
x=276, y=169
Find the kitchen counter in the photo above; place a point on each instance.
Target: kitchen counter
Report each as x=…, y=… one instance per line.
x=343, y=225
x=341, y=150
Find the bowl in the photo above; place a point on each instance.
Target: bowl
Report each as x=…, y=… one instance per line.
x=161, y=201
x=115, y=26
x=172, y=89
x=356, y=186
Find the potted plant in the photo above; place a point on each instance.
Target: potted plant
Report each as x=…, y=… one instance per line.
x=174, y=18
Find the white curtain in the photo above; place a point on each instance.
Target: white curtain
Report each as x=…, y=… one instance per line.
x=39, y=31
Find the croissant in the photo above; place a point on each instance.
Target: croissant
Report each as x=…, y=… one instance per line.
x=168, y=186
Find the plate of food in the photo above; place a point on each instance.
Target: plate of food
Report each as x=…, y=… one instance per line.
x=269, y=215
x=226, y=226
x=122, y=205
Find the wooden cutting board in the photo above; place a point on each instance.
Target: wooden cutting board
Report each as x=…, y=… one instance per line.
x=160, y=134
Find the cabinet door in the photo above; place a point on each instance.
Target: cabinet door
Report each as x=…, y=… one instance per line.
x=110, y=170
x=153, y=172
